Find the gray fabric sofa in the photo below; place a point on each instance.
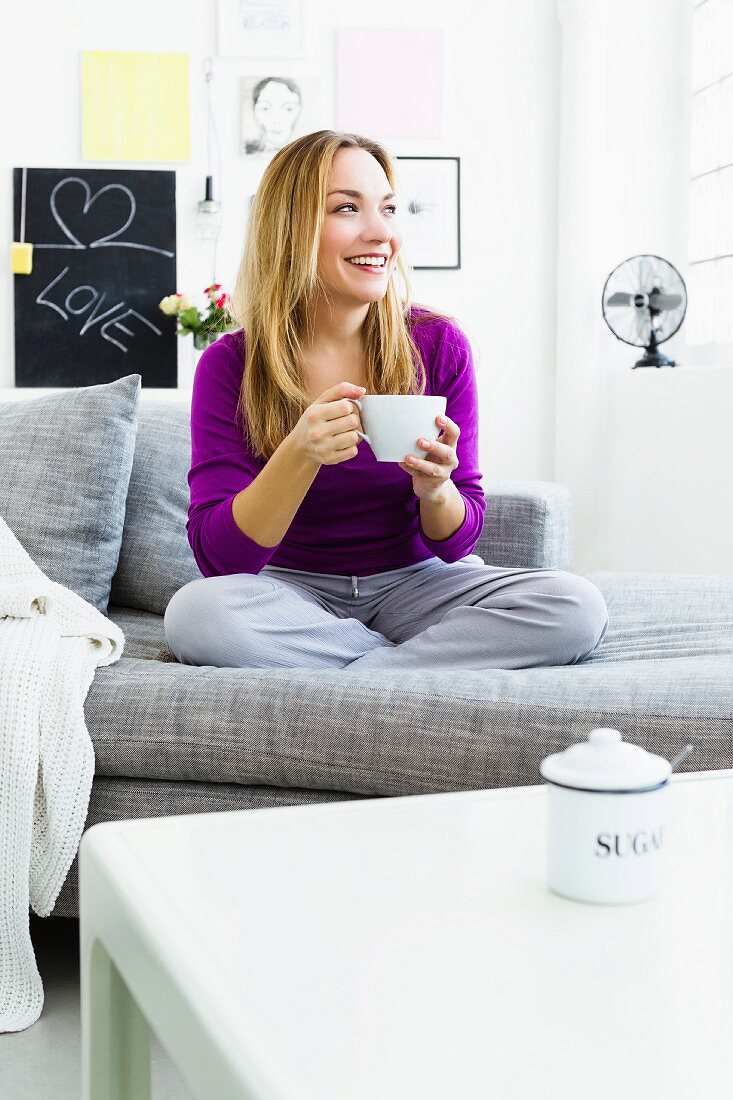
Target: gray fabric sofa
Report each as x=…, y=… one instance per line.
x=175, y=739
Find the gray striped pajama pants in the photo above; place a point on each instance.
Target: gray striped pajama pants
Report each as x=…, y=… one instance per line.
x=430, y=615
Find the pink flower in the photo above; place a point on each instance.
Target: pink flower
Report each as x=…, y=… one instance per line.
x=220, y=301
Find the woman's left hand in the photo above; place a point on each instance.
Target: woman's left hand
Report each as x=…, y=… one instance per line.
x=430, y=474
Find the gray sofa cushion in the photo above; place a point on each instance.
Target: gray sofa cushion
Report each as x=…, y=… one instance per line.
x=422, y=731
x=65, y=463
x=527, y=524
x=144, y=634
x=666, y=617
x=155, y=558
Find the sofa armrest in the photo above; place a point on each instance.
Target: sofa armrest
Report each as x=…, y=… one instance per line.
x=527, y=524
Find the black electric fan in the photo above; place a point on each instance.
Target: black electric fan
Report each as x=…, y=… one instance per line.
x=646, y=298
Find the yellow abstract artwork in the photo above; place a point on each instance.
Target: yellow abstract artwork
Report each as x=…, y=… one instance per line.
x=135, y=106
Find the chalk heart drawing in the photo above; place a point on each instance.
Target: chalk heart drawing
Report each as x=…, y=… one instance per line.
x=90, y=200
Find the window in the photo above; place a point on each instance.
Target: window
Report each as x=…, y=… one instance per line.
x=709, y=317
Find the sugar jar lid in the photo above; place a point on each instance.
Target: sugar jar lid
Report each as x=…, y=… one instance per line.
x=605, y=762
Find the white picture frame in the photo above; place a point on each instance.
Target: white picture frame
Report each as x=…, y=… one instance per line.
x=275, y=109
x=260, y=28
x=430, y=199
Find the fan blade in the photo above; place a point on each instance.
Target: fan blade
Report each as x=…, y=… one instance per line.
x=642, y=326
x=665, y=301
x=619, y=299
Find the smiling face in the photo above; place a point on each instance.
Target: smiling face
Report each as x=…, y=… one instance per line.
x=358, y=226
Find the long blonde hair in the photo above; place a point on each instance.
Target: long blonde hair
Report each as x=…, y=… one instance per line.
x=278, y=282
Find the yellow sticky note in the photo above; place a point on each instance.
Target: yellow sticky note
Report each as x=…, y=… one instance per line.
x=135, y=106
x=21, y=258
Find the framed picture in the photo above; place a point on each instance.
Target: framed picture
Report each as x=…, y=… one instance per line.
x=104, y=254
x=430, y=197
x=260, y=28
x=274, y=110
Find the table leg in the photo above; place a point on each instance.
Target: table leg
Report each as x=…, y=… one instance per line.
x=115, y=1034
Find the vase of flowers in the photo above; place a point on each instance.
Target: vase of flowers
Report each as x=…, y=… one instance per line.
x=205, y=324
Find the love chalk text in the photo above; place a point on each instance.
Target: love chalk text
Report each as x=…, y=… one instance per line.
x=82, y=299
x=76, y=304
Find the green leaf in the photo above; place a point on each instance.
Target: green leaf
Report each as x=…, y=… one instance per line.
x=190, y=318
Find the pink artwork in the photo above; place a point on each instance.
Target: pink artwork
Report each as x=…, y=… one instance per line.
x=389, y=82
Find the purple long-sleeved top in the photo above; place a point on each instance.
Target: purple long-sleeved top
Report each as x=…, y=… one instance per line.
x=358, y=517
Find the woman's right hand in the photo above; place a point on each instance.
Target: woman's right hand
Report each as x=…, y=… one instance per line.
x=325, y=433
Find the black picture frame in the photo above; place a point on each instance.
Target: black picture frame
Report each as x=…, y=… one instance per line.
x=104, y=254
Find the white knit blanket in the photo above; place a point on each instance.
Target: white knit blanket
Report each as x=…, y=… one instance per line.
x=51, y=641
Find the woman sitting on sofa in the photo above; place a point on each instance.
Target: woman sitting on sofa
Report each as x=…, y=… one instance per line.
x=313, y=554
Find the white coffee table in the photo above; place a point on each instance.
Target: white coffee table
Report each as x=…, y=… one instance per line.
x=403, y=948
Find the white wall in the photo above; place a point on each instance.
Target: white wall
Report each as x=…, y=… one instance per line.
x=647, y=453
x=550, y=204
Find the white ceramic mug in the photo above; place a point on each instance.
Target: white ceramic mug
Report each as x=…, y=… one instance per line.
x=395, y=422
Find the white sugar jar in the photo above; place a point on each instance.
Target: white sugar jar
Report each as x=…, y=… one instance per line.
x=607, y=805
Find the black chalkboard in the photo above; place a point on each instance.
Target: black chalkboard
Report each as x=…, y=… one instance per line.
x=104, y=254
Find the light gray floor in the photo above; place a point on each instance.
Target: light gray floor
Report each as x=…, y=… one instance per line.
x=44, y=1061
